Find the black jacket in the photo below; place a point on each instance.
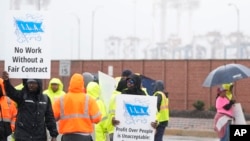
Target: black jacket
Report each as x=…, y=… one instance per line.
x=34, y=113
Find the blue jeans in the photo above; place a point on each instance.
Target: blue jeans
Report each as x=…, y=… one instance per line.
x=160, y=129
x=227, y=133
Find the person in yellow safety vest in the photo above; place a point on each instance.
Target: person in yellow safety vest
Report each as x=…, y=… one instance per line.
x=8, y=113
x=122, y=84
x=229, y=89
x=76, y=112
x=94, y=90
x=162, y=107
x=55, y=89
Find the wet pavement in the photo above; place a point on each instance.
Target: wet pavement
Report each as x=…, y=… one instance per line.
x=188, y=138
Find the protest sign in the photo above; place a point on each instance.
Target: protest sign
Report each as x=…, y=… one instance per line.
x=27, y=45
x=135, y=114
x=238, y=114
x=107, y=84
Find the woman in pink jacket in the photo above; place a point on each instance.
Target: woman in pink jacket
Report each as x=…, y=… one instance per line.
x=224, y=115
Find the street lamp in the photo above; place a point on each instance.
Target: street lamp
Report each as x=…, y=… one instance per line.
x=238, y=15
x=93, y=30
x=238, y=27
x=78, y=20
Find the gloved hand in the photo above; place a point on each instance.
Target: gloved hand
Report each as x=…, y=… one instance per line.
x=5, y=75
x=115, y=122
x=154, y=124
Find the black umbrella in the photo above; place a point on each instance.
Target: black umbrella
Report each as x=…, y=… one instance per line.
x=226, y=74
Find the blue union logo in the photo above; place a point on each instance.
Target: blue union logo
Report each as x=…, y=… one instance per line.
x=29, y=27
x=136, y=110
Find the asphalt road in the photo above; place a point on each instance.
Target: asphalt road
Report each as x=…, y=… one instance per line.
x=173, y=138
x=187, y=138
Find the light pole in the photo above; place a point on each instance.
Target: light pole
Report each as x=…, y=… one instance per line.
x=238, y=27
x=78, y=34
x=93, y=30
x=238, y=15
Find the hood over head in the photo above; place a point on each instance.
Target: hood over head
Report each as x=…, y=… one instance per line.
x=94, y=89
x=88, y=77
x=137, y=80
x=56, y=81
x=227, y=86
x=40, y=86
x=126, y=73
x=76, y=84
x=122, y=84
x=158, y=85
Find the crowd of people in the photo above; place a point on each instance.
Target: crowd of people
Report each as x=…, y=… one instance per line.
x=77, y=114
x=29, y=113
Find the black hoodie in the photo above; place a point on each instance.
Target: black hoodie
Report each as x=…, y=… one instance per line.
x=34, y=113
x=136, y=89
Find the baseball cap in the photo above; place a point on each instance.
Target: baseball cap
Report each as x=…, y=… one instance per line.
x=221, y=89
x=31, y=80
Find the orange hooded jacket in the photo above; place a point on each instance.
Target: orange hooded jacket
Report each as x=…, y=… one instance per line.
x=8, y=109
x=76, y=112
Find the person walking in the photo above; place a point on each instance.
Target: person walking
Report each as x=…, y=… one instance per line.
x=224, y=114
x=100, y=131
x=76, y=112
x=55, y=89
x=8, y=113
x=34, y=111
x=162, y=116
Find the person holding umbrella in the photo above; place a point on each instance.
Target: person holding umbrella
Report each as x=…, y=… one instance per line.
x=224, y=115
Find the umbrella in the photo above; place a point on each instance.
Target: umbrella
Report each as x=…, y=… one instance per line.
x=226, y=74
x=147, y=83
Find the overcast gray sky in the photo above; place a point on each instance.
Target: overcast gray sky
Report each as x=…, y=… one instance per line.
x=124, y=18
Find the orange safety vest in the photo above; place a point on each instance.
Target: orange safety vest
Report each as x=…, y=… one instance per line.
x=8, y=110
x=76, y=112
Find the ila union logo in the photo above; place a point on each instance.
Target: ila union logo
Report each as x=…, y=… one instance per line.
x=29, y=28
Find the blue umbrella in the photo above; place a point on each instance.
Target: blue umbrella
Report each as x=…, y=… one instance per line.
x=147, y=83
x=226, y=74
